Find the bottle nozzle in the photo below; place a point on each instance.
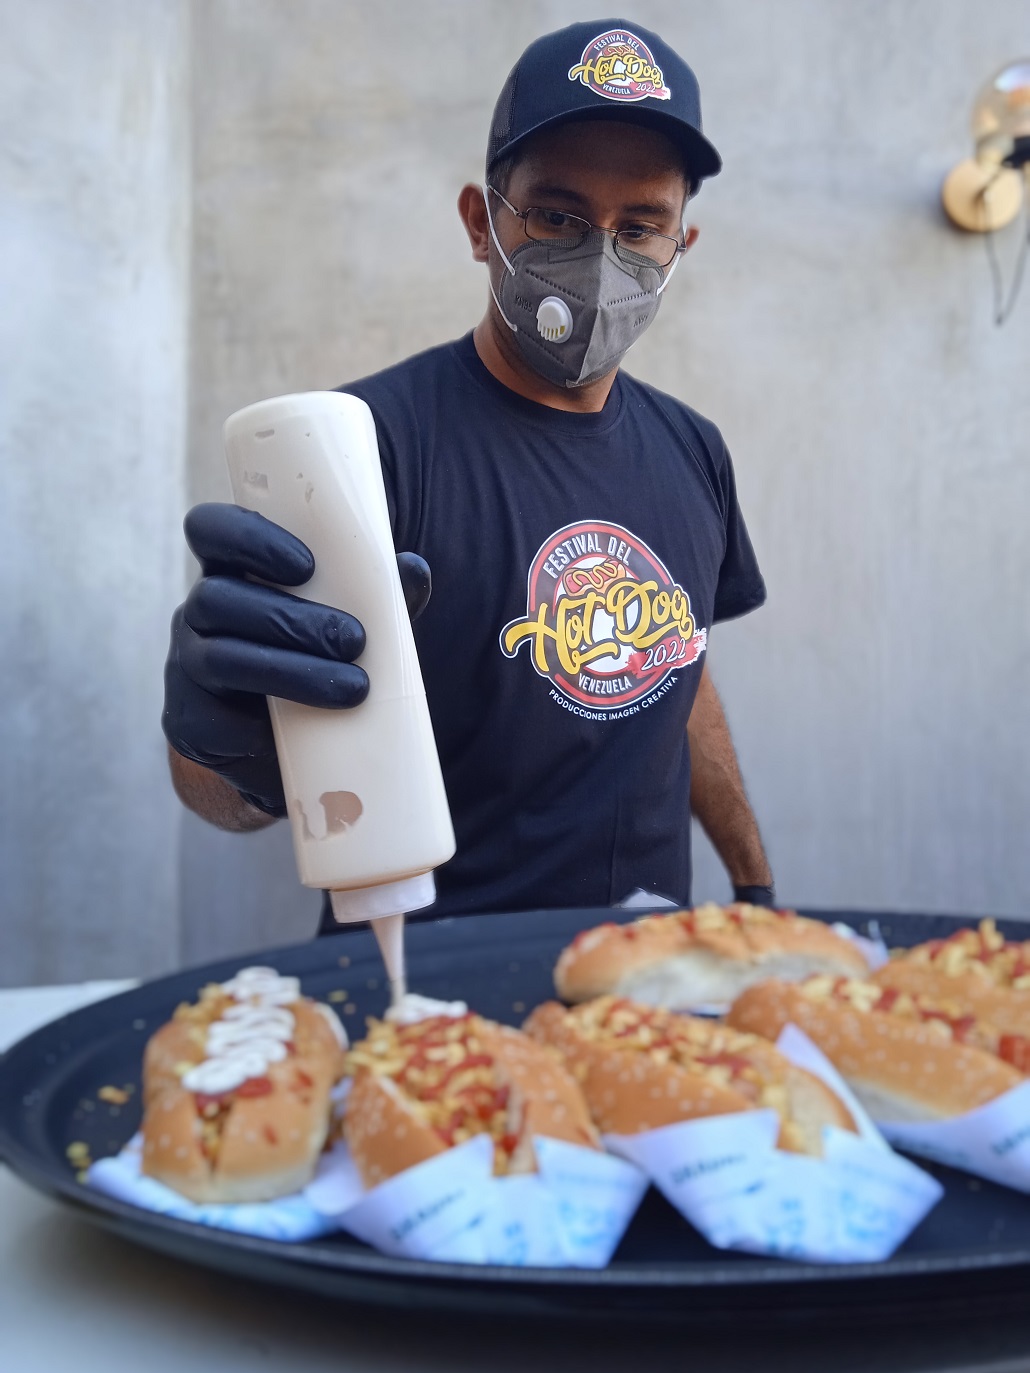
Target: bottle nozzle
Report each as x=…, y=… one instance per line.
x=387, y=898
x=384, y=907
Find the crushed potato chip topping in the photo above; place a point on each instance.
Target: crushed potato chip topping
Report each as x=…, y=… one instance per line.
x=701, y=919
x=982, y=951
x=727, y=1057
x=78, y=1156
x=713, y=917
x=947, y=1018
x=444, y=1068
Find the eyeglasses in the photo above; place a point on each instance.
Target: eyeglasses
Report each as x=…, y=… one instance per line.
x=555, y=226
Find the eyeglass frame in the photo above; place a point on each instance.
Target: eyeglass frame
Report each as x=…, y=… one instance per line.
x=680, y=246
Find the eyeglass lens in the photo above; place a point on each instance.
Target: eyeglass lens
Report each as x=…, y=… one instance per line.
x=556, y=226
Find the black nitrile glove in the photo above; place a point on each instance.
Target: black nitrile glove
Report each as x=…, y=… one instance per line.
x=754, y=896
x=234, y=642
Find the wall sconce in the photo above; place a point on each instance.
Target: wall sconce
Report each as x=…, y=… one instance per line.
x=984, y=193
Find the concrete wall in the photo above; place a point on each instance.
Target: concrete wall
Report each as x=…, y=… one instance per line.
x=829, y=319
x=330, y=143
x=94, y=228
x=841, y=331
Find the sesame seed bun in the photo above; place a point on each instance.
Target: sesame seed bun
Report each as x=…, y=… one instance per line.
x=395, y=1119
x=641, y=1068
x=257, y=1149
x=252, y=1143
x=1008, y=1008
x=900, y=1069
x=700, y=957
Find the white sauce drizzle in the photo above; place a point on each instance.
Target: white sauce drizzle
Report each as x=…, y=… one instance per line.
x=251, y=1034
x=263, y=985
x=412, y=1008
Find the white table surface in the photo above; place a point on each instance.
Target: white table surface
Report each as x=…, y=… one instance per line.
x=74, y=1298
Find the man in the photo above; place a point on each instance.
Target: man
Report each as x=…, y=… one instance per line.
x=582, y=529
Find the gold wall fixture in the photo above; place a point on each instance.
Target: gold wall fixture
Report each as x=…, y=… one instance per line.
x=984, y=193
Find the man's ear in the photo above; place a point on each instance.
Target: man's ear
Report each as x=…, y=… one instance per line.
x=690, y=237
x=472, y=209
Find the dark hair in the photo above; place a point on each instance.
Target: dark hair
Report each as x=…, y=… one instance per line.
x=500, y=174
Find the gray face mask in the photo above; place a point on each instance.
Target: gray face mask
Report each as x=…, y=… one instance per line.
x=576, y=311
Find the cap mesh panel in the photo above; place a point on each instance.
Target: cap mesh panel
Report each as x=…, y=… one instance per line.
x=504, y=114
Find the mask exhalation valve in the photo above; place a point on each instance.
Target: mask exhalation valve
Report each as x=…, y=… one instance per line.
x=554, y=319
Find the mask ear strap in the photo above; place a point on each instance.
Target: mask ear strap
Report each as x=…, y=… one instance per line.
x=668, y=277
x=504, y=259
x=490, y=221
x=513, y=327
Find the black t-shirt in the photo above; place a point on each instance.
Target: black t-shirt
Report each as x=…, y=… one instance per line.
x=578, y=563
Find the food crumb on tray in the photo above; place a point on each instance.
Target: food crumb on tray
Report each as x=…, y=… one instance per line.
x=116, y=1096
x=78, y=1155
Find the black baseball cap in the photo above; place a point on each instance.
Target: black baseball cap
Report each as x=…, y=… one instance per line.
x=603, y=69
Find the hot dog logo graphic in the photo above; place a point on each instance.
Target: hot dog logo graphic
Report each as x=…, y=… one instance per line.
x=604, y=621
x=620, y=66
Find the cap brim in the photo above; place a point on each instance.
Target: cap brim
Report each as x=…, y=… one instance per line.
x=699, y=155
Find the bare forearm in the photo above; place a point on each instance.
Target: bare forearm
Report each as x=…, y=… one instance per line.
x=212, y=798
x=717, y=795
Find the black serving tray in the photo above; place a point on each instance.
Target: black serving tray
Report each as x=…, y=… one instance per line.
x=970, y=1256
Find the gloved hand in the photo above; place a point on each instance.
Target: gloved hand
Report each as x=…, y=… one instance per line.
x=755, y=896
x=234, y=642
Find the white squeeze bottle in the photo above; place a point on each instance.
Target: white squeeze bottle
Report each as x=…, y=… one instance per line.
x=363, y=786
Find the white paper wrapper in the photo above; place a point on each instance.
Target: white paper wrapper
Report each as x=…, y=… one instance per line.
x=290, y=1218
x=872, y=945
x=572, y=1213
x=639, y=900
x=725, y=1175
x=992, y=1141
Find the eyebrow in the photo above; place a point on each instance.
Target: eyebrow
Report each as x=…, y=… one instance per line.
x=657, y=209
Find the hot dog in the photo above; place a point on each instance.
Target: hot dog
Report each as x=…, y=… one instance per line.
x=641, y=1068
x=421, y=1088
x=700, y=957
x=907, y=1058
x=236, y=1090
x=979, y=969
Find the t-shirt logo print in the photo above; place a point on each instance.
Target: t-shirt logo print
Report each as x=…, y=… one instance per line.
x=605, y=622
x=620, y=66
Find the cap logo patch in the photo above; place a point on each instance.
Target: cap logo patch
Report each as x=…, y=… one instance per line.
x=620, y=66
